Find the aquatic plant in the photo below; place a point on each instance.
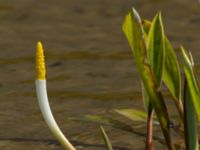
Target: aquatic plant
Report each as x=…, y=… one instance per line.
x=157, y=64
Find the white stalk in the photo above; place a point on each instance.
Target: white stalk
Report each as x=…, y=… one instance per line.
x=47, y=114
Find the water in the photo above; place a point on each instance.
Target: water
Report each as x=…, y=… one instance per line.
x=89, y=65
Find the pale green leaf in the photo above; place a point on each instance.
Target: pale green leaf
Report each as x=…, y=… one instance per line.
x=135, y=115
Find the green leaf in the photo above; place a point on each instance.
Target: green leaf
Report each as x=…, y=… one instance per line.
x=192, y=82
x=146, y=99
x=190, y=122
x=172, y=77
x=134, y=32
x=134, y=114
x=156, y=47
x=171, y=74
x=106, y=139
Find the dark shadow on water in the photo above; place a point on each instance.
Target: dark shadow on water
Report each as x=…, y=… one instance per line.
x=54, y=142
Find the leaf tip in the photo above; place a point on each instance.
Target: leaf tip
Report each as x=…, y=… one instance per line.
x=136, y=15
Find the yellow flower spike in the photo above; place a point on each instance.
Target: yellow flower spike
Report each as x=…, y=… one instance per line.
x=40, y=63
x=43, y=101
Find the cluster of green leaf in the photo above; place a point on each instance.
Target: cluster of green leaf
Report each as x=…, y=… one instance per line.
x=157, y=64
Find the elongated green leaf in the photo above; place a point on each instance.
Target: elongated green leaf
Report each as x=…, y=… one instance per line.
x=190, y=122
x=156, y=47
x=146, y=98
x=134, y=32
x=106, y=139
x=172, y=77
x=192, y=82
x=135, y=115
x=171, y=74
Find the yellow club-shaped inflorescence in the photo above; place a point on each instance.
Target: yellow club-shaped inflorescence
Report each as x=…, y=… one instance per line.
x=40, y=63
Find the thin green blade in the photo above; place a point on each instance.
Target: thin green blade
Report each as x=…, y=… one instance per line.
x=190, y=122
x=192, y=82
x=134, y=32
x=156, y=47
x=106, y=139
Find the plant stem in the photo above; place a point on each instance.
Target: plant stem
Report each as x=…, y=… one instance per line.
x=48, y=116
x=149, y=137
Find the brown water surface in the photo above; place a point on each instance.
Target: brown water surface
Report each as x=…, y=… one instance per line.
x=89, y=64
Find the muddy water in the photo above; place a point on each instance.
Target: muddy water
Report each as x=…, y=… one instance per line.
x=89, y=64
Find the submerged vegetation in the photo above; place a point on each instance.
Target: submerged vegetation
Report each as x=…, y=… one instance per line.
x=157, y=64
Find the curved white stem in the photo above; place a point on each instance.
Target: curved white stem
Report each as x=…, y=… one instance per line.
x=47, y=114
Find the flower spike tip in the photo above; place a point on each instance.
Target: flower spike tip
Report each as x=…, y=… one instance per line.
x=40, y=62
